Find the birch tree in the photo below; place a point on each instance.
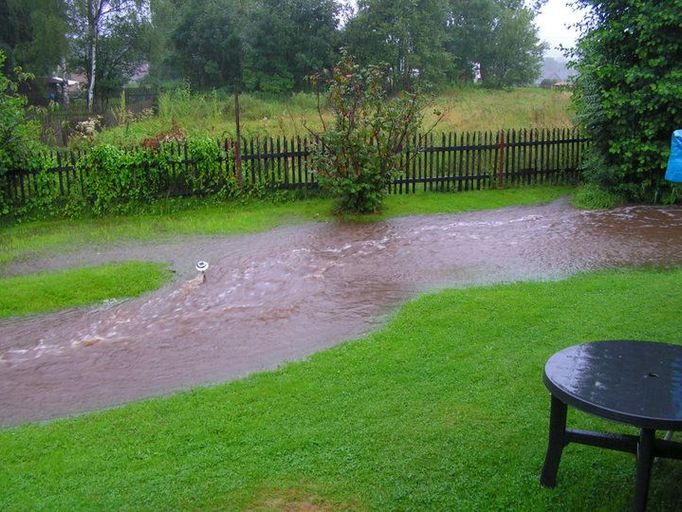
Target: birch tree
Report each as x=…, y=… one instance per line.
x=93, y=18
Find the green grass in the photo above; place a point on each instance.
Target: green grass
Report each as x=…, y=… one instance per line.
x=49, y=291
x=443, y=409
x=195, y=217
x=593, y=197
x=465, y=109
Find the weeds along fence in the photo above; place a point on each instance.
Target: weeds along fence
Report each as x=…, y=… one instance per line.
x=113, y=109
x=444, y=162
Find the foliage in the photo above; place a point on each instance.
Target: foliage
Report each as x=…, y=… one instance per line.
x=113, y=26
x=18, y=136
x=121, y=49
x=269, y=46
x=409, y=36
x=50, y=291
x=628, y=93
x=499, y=37
x=209, y=42
x=288, y=41
x=593, y=197
x=165, y=17
x=440, y=40
x=442, y=409
x=33, y=34
x=358, y=154
x=116, y=180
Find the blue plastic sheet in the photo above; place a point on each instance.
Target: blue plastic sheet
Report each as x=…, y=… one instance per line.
x=674, y=171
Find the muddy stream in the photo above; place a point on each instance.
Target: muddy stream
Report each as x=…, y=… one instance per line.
x=281, y=295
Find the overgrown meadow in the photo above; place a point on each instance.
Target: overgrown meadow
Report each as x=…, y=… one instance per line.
x=464, y=109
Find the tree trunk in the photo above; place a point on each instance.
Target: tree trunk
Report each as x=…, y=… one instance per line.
x=65, y=85
x=92, y=51
x=93, y=21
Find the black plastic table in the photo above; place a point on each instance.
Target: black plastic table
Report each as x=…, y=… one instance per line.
x=634, y=382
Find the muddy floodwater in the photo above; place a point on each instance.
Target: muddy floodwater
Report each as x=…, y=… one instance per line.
x=281, y=295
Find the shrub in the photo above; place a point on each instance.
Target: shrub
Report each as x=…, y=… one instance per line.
x=357, y=156
x=118, y=180
x=18, y=136
x=112, y=180
x=628, y=94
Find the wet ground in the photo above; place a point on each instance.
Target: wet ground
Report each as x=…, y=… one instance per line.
x=284, y=294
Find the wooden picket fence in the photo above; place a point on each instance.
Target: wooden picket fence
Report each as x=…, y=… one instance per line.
x=444, y=162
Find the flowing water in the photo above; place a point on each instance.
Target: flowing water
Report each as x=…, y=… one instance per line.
x=284, y=294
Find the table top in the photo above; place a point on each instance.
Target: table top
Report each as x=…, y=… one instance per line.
x=634, y=382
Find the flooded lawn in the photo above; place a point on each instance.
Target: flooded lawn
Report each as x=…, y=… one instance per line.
x=284, y=294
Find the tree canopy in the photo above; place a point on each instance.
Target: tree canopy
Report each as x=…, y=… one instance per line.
x=271, y=45
x=498, y=36
x=33, y=35
x=409, y=36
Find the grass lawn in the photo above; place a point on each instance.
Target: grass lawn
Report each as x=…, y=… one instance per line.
x=195, y=217
x=48, y=291
x=443, y=409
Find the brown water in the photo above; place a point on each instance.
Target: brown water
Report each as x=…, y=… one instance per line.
x=284, y=294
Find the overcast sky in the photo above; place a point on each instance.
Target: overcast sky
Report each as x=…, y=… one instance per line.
x=554, y=22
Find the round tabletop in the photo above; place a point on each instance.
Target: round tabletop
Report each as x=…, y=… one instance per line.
x=634, y=382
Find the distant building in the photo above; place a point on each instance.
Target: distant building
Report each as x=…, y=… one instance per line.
x=56, y=85
x=562, y=85
x=141, y=72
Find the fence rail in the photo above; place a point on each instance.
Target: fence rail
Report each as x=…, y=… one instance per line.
x=445, y=162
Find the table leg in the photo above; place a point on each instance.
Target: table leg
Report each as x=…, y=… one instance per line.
x=557, y=441
x=645, y=458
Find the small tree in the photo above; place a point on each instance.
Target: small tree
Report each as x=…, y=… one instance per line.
x=358, y=155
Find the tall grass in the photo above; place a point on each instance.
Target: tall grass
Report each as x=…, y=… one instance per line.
x=465, y=109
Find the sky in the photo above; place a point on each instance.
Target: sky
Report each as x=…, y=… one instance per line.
x=554, y=25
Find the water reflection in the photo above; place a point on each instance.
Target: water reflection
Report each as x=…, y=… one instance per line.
x=638, y=380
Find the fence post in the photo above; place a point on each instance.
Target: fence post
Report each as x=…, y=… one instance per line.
x=500, y=160
x=238, y=145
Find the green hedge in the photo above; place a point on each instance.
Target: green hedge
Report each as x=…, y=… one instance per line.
x=109, y=179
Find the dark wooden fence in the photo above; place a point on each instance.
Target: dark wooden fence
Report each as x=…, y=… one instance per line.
x=444, y=162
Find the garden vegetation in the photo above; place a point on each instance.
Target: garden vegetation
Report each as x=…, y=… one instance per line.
x=628, y=92
x=358, y=155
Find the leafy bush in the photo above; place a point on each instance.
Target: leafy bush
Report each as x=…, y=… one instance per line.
x=113, y=180
x=18, y=136
x=118, y=180
x=358, y=156
x=628, y=94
